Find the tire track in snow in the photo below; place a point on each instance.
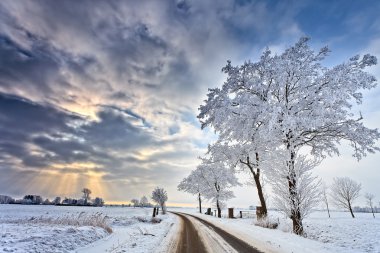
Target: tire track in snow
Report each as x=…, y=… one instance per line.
x=198, y=235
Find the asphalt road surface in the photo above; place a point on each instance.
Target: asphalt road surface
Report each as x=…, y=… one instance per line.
x=200, y=236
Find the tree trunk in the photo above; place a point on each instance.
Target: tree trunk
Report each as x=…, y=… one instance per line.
x=218, y=207
x=372, y=212
x=200, y=203
x=352, y=213
x=163, y=207
x=328, y=210
x=297, y=223
x=295, y=211
x=261, y=195
x=256, y=176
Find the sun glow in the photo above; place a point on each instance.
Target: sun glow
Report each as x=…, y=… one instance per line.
x=75, y=165
x=67, y=180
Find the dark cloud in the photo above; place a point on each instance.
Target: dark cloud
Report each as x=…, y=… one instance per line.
x=114, y=130
x=39, y=68
x=34, y=68
x=21, y=116
x=22, y=122
x=119, y=95
x=41, y=135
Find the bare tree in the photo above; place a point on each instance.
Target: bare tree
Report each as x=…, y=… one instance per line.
x=160, y=196
x=344, y=192
x=325, y=198
x=370, y=197
x=86, y=195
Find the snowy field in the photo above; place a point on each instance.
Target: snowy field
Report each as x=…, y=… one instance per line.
x=340, y=233
x=49, y=229
x=69, y=229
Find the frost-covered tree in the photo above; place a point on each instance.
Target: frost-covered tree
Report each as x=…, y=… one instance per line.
x=218, y=179
x=307, y=189
x=144, y=201
x=160, y=196
x=246, y=157
x=86, y=195
x=291, y=99
x=344, y=192
x=193, y=184
x=325, y=198
x=135, y=202
x=369, y=197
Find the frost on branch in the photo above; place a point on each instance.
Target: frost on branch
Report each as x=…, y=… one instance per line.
x=250, y=157
x=217, y=179
x=160, y=196
x=292, y=97
x=305, y=193
x=194, y=184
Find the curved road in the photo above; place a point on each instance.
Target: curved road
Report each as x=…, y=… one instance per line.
x=200, y=236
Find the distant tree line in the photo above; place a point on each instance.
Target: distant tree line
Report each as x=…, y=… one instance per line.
x=38, y=200
x=143, y=202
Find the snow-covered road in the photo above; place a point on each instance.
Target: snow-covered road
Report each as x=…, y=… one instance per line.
x=198, y=235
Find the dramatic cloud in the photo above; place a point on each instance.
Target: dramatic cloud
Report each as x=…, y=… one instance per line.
x=105, y=94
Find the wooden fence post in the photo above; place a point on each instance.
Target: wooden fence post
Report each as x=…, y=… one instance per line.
x=231, y=213
x=259, y=213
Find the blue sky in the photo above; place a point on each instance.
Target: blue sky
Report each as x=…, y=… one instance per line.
x=104, y=94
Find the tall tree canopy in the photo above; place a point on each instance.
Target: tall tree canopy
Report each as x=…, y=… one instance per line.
x=291, y=101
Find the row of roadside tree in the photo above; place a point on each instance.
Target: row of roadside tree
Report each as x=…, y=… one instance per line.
x=277, y=119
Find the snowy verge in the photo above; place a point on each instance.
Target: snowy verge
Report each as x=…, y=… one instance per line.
x=137, y=237
x=169, y=243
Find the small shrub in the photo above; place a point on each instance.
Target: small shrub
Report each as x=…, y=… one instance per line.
x=156, y=220
x=142, y=219
x=267, y=222
x=148, y=219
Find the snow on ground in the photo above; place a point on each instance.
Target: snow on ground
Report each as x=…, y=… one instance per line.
x=340, y=233
x=361, y=234
x=51, y=229
x=134, y=236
